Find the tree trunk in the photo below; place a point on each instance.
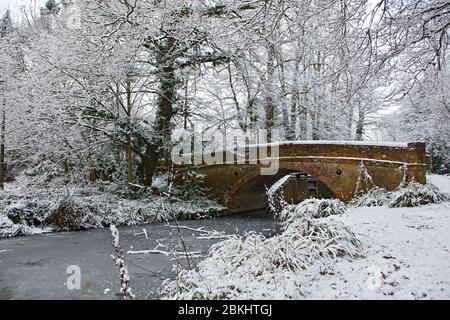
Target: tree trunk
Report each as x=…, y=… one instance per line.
x=186, y=103
x=303, y=109
x=349, y=119
x=315, y=117
x=128, y=148
x=2, y=151
x=160, y=146
x=295, y=104
x=360, y=124
x=287, y=129
x=318, y=98
x=269, y=105
x=269, y=118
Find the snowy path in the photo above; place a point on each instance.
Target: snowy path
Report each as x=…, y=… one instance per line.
x=408, y=254
x=34, y=267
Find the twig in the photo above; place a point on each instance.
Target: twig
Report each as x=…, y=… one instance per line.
x=205, y=234
x=120, y=263
x=166, y=253
x=144, y=232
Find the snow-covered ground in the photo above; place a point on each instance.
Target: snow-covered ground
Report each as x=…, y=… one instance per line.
x=406, y=256
x=407, y=249
x=442, y=182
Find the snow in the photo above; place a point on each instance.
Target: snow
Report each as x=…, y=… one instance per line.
x=325, y=142
x=407, y=254
x=347, y=158
x=443, y=182
x=278, y=185
x=404, y=253
x=400, y=163
x=256, y=267
x=36, y=207
x=408, y=249
x=9, y=229
x=115, y=235
x=241, y=149
x=338, y=142
x=315, y=208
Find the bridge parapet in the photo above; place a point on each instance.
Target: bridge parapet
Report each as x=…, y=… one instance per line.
x=410, y=153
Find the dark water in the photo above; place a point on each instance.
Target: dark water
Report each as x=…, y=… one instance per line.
x=35, y=267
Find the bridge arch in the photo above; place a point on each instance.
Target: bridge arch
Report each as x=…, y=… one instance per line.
x=250, y=193
x=336, y=164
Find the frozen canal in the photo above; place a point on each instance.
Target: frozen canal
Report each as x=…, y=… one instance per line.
x=35, y=267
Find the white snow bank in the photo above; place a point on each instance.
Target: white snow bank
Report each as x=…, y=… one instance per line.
x=442, y=182
x=415, y=194
x=408, y=256
x=407, y=249
x=277, y=186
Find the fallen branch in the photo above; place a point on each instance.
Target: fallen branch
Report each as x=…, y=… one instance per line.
x=144, y=232
x=166, y=253
x=186, y=228
x=206, y=234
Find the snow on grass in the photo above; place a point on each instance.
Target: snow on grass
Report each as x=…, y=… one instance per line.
x=256, y=267
x=315, y=208
x=375, y=197
x=9, y=229
x=407, y=256
x=28, y=209
x=415, y=194
x=410, y=194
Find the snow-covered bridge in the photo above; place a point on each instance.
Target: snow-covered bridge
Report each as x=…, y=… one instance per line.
x=345, y=167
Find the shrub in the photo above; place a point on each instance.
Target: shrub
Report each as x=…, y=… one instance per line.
x=375, y=197
x=415, y=194
x=191, y=188
x=29, y=213
x=315, y=208
x=92, y=206
x=251, y=267
x=70, y=216
x=410, y=194
x=9, y=229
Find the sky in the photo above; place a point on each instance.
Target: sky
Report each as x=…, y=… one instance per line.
x=14, y=5
x=5, y=4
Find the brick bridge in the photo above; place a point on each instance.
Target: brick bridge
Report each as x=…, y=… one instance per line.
x=340, y=166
